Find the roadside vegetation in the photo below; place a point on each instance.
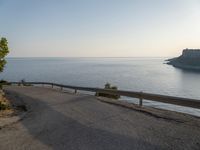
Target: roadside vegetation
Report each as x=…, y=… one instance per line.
x=4, y=103
x=108, y=86
x=3, y=82
x=24, y=83
x=4, y=50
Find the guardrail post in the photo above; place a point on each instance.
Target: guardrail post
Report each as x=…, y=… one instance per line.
x=140, y=102
x=75, y=91
x=52, y=85
x=61, y=88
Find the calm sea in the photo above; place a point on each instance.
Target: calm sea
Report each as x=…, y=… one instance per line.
x=138, y=74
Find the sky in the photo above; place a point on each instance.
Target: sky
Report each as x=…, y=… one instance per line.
x=100, y=28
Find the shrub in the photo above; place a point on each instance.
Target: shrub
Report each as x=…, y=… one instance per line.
x=109, y=87
x=23, y=82
x=3, y=82
x=4, y=106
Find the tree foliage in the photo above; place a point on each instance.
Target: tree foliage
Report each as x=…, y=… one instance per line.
x=4, y=50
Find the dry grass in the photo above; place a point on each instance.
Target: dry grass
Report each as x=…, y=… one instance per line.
x=5, y=106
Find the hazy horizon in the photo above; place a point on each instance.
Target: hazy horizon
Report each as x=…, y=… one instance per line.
x=84, y=57
x=99, y=28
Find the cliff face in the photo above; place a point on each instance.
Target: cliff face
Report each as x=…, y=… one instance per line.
x=190, y=59
x=191, y=53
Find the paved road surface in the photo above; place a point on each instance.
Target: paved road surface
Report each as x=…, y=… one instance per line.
x=64, y=121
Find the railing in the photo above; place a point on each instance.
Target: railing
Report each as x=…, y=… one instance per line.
x=194, y=103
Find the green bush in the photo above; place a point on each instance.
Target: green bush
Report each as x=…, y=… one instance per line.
x=23, y=82
x=109, y=87
x=4, y=106
x=3, y=82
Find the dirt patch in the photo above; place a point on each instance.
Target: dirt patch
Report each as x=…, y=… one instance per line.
x=10, y=112
x=5, y=106
x=156, y=112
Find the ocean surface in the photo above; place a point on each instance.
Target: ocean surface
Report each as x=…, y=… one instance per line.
x=137, y=74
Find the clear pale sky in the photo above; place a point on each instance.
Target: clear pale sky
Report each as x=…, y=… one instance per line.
x=100, y=28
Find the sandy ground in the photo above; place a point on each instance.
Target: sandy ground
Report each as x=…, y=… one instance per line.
x=63, y=121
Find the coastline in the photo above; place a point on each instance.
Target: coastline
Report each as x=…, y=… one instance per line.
x=183, y=66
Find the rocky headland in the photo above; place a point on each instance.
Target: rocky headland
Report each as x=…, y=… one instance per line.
x=190, y=59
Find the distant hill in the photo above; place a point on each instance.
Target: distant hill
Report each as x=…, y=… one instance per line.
x=190, y=59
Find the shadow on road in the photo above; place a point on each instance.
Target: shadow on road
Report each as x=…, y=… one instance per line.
x=60, y=132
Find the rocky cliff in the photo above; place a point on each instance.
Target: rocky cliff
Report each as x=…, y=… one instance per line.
x=190, y=59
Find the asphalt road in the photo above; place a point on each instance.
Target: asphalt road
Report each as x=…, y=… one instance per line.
x=63, y=121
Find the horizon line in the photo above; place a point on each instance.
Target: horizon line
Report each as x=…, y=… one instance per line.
x=87, y=57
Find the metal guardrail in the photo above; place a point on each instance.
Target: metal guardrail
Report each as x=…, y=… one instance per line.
x=194, y=103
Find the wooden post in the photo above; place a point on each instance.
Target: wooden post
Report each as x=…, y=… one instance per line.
x=61, y=88
x=97, y=93
x=52, y=86
x=75, y=91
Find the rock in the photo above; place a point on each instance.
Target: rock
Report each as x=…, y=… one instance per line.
x=190, y=59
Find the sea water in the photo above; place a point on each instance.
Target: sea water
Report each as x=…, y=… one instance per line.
x=150, y=75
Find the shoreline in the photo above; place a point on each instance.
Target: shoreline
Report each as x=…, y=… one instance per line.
x=183, y=66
